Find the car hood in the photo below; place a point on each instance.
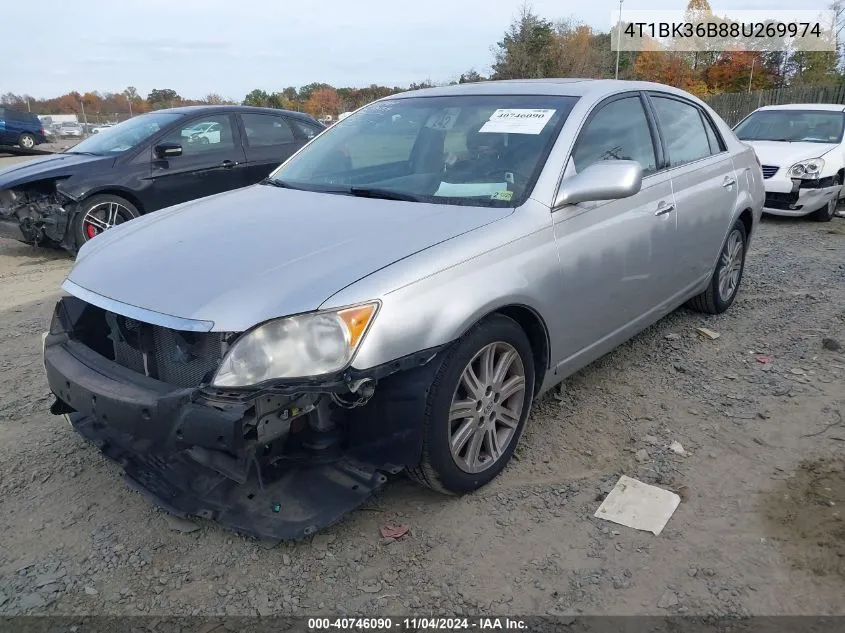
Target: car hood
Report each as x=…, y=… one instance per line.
x=51, y=166
x=785, y=154
x=246, y=256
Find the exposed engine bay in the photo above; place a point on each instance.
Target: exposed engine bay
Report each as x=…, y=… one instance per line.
x=41, y=212
x=278, y=461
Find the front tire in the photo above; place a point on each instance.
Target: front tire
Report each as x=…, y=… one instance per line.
x=828, y=211
x=26, y=141
x=727, y=275
x=100, y=213
x=477, y=408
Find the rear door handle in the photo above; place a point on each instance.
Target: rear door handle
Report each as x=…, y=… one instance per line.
x=228, y=164
x=663, y=208
x=728, y=182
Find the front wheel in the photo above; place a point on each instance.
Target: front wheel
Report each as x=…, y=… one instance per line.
x=828, y=211
x=727, y=275
x=477, y=407
x=100, y=213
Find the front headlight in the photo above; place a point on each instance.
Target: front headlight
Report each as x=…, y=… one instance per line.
x=807, y=169
x=294, y=347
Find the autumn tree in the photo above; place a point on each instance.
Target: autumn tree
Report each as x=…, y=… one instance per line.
x=323, y=102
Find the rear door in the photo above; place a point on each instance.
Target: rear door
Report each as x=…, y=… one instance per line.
x=269, y=140
x=212, y=161
x=703, y=181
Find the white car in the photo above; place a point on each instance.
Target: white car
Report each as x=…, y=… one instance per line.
x=204, y=133
x=102, y=127
x=801, y=150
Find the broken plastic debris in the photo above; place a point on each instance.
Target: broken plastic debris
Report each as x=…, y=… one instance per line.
x=394, y=531
x=764, y=359
x=676, y=448
x=708, y=333
x=277, y=507
x=638, y=505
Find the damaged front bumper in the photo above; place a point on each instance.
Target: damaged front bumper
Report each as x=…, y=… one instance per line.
x=795, y=198
x=279, y=464
x=35, y=216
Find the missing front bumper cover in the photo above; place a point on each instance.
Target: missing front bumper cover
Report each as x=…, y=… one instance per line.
x=288, y=501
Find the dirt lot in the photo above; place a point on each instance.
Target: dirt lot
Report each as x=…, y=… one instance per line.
x=760, y=529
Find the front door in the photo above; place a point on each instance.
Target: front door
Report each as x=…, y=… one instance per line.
x=212, y=161
x=616, y=256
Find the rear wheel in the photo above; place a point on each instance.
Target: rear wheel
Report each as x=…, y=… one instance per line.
x=27, y=140
x=727, y=276
x=826, y=213
x=100, y=213
x=477, y=407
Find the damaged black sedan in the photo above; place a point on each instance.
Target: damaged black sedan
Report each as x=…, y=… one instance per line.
x=149, y=162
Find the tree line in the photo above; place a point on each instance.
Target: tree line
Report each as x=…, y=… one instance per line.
x=532, y=47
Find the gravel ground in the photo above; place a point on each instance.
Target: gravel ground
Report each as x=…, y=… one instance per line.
x=759, y=530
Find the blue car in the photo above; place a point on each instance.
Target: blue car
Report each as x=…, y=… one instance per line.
x=20, y=128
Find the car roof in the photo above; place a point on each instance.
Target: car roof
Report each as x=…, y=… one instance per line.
x=830, y=107
x=563, y=86
x=212, y=109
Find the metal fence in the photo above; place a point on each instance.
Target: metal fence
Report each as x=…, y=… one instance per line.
x=734, y=106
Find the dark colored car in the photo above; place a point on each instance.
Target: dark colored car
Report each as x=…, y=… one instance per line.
x=149, y=162
x=20, y=128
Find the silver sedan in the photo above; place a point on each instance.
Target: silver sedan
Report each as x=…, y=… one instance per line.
x=396, y=294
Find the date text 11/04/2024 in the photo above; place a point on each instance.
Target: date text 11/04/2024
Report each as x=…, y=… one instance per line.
x=415, y=624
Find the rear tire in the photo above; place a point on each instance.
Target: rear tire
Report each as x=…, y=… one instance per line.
x=99, y=213
x=26, y=140
x=727, y=275
x=828, y=211
x=469, y=435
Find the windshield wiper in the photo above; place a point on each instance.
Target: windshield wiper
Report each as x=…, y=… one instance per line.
x=82, y=153
x=383, y=194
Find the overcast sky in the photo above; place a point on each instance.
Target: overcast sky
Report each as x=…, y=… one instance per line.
x=232, y=46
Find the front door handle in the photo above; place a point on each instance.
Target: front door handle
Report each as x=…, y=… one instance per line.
x=663, y=208
x=228, y=164
x=728, y=182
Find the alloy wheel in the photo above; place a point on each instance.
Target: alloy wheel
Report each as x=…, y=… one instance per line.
x=731, y=267
x=27, y=142
x=486, y=407
x=102, y=217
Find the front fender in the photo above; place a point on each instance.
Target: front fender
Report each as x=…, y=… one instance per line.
x=439, y=308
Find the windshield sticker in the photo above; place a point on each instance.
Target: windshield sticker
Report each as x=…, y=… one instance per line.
x=469, y=189
x=502, y=195
x=443, y=120
x=517, y=121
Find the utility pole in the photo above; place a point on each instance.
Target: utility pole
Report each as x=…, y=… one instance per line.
x=751, y=75
x=618, y=38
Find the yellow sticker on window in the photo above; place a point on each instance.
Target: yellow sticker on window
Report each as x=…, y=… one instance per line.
x=502, y=195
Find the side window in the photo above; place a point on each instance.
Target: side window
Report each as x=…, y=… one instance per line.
x=265, y=129
x=618, y=131
x=208, y=134
x=716, y=144
x=308, y=131
x=683, y=131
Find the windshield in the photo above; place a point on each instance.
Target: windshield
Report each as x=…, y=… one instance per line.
x=808, y=126
x=124, y=136
x=471, y=150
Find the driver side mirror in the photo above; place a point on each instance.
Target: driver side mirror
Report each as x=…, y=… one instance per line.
x=168, y=150
x=604, y=180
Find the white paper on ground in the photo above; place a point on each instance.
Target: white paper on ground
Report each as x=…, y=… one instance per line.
x=638, y=505
x=470, y=189
x=517, y=121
